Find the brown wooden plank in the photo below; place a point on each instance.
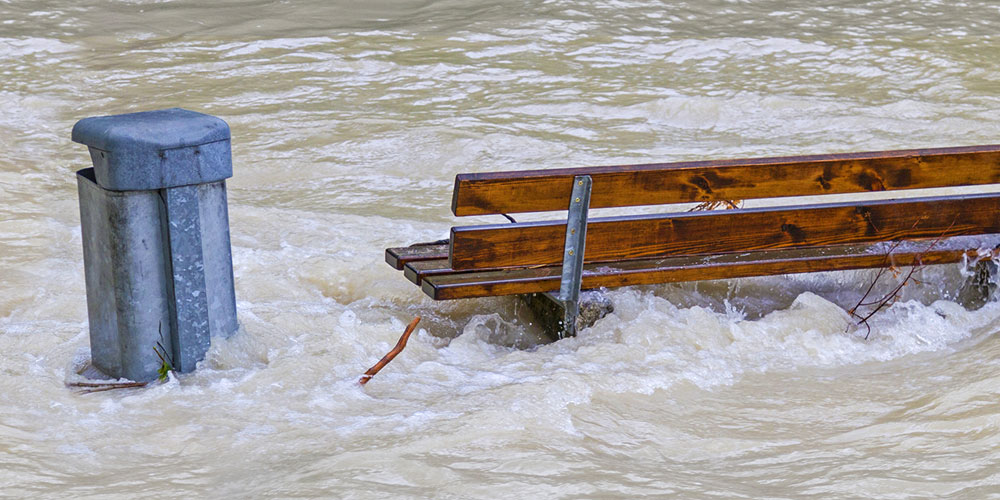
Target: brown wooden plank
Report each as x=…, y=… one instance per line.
x=398, y=257
x=637, y=237
x=464, y=284
x=415, y=271
x=717, y=180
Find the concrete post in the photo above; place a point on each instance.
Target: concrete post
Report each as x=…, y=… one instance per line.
x=156, y=248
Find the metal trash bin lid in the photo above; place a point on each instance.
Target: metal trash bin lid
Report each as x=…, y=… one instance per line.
x=156, y=149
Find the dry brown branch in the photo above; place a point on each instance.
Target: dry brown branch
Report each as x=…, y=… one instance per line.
x=712, y=205
x=893, y=295
x=391, y=354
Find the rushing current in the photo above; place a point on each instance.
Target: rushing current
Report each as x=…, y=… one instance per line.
x=349, y=122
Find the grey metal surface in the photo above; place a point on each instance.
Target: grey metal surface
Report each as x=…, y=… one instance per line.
x=217, y=251
x=190, y=321
x=576, y=238
x=101, y=310
x=127, y=280
x=156, y=149
x=197, y=224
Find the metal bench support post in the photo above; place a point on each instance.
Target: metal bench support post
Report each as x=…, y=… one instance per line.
x=572, y=269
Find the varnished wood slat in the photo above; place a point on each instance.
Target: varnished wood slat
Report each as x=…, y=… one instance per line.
x=464, y=284
x=415, y=271
x=717, y=180
x=638, y=237
x=398, y=257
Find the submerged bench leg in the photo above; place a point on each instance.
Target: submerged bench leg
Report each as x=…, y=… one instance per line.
x=572, y=269
x=980, y=286
x=550, y=315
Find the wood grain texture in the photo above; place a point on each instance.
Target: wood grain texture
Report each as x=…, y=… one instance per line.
x=466, y=284
x=638, y=237
x=398, y=257
x=416, y=271
x=717, y=180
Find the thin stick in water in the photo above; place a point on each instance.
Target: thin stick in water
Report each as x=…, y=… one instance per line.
x=89, y=387
x=391, y=354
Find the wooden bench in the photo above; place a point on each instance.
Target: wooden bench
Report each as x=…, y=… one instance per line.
x=544, y=257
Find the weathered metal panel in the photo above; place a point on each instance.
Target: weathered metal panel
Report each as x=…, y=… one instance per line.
x=128, y=297
x=219, y=282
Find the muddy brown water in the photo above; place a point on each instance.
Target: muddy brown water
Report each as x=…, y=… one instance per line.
x=349, y=122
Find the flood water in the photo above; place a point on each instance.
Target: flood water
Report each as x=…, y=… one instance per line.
x=349, y=123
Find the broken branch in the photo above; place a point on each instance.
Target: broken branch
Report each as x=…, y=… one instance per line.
x=391, y=354
x=893, y=295
x=90, y=387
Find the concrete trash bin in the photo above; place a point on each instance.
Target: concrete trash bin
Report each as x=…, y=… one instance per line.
x=156, y=247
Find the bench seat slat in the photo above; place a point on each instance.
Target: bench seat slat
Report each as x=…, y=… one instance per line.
x=398, y=257
x=719, y=180
x=643, y=237
x=441, y=283
x=416, y=271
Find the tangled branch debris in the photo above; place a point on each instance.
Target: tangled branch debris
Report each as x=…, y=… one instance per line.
x=712, y=205
x=892, y=295
x=391, y=354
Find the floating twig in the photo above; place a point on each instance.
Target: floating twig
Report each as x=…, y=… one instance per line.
x=391, y=354
x=90, y=387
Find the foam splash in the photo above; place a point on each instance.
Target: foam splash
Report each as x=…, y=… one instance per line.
x=653, y=341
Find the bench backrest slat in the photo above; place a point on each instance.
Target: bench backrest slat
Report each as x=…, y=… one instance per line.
x=618, y=238
x=719, y=180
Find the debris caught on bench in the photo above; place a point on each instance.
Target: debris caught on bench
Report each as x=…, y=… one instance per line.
x=391, y=354
x=887, y=299
x=891, y=296
x=712, y=205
